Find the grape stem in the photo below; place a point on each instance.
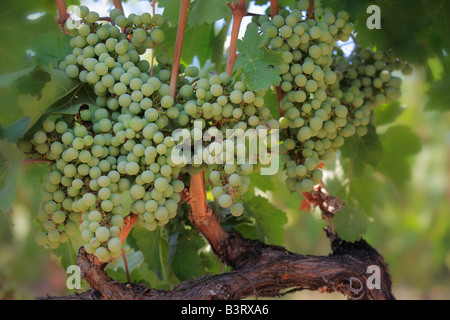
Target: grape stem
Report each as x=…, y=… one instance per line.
x=125, y=262
x=178, y=46
x=118, y=5
x=273, y=8
x=63, y=15
x=107, y=19
x=239, y=11
x=311, y=9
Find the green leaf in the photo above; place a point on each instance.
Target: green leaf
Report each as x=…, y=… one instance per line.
x=10, y=166
x=362, y=151
x=18, y=31
x=186, y=263
x=269, y=220
x=52, y=47
x=171, y=11
x=16, y=130
x=439, y=95
x=149, y=244
x=271, y=102
x=208, y=11
x=398, y=18
x=197, y=42
x=399, y=142
x=350, y=223
x=7, y=80
x=387, y=113
x=67, y=253
x=353, y=7
x=257, y=64
x=58, y=87
x=68, y=104
x=363, y=192
x=27, y=81
x=438, y=12
x=263, y=183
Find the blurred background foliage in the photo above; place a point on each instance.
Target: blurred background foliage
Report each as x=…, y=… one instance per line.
x=410, y=224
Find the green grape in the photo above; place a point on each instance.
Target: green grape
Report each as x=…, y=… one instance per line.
x=304, y=134
x=225, y=201
x=316, y=123
x=157, y=36
x=95, y=216
x=102, y=234
x=58, y=217
x=102, y=254
x=114, y=244
x=53, y=235
x=235, y=180
x=237, y=209
x=41, y=238
x=303, y=4
x=137, y=192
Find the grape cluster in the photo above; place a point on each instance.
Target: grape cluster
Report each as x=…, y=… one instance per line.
x=121, y=155
x=114, y=148
x=312, y=118
x=231, y=116
x=365, y=82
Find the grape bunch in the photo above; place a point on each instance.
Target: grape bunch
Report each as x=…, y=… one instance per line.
x=365, y=82
x=122, y=154
x=312, y=118
x=231, y=116
x=114, y=148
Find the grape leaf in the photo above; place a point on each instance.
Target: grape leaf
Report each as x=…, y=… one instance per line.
x=19, y=30
x=58, y=87
x=387, y=113
x=51, y=47
x=269, y=220
x=208, y=11
x=10, y=166
x=353, y=7
x=196, y=42
x=350, y=223
x=186, y=260
x=361, y=151
x=263, y=183
x=16, y=130
x=67, y=253
x=439, y=95
x=138, y=270
x=8, y=79
x=69, y=104
x=438, y=12
x=398, y=18
x=399, y=142
x=171, y=11
x=271, y=102
x=363, y=192
x=149, y=244
x=257, y=64
x=27, y=81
